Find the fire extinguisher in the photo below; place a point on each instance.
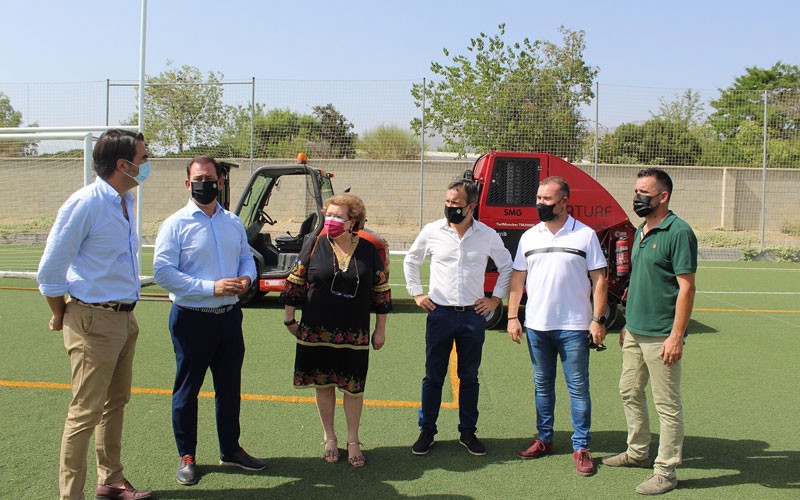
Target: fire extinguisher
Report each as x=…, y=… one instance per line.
x=623, y=256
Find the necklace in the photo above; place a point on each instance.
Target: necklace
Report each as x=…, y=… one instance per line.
x=343, y=257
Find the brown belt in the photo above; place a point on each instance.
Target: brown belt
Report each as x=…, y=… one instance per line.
x=108, y=306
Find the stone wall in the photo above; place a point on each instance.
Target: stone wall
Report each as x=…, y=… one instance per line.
x=708, y=197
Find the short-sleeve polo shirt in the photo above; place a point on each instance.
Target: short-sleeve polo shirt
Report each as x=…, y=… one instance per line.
x=657, y=258
x=557, y=281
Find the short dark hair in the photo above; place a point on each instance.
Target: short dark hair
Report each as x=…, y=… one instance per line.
x=663, y=180
x=562, y=184
x=113, y=145
x=469, y=187
x=204, y=159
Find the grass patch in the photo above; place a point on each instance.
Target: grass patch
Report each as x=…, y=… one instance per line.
x=37, y=225
x=791, y=228
x=726, y=239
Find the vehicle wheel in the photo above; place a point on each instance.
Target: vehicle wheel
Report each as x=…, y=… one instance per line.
x=495, y=317
x=613, y=315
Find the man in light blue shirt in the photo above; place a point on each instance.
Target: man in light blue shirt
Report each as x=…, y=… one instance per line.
x=91, y=255
x=203, y=259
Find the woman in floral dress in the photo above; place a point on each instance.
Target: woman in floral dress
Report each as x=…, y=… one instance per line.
x=337, y=280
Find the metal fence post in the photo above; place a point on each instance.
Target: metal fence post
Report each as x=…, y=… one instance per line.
x=596, y=123
x=252, y=123
x=422, y=157
x=108, y=98
x=764, y=177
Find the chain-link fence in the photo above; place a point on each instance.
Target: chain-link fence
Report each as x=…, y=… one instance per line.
x=735, y=156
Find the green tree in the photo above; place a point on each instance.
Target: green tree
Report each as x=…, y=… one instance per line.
x=278, y=133
x=655, y=142
x=736, y=136
x=9, y=117
x=336, y=132
x=282, y=133
x=519, y=96
x=390, y=143
x=685, y=109
x=183, y=109
x=744, y=102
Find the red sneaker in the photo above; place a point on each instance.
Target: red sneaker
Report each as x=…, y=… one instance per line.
x=583, y=462
x=535, y=449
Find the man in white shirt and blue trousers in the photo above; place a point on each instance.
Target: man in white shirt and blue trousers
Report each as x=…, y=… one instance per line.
x=459, y=247
x=203, y=259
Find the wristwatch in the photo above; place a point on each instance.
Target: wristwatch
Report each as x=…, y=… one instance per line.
x=599, y=319
x=290, y=323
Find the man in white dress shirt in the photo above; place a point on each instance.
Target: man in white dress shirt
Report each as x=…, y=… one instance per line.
x=459, y=247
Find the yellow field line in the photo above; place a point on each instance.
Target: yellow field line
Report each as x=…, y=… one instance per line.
x=454, y=382
x=378, y=403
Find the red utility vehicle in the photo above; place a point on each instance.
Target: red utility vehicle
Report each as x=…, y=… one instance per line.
x=507, y=184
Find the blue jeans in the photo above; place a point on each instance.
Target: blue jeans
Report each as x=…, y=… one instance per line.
x=572, y=347
x=467, y=329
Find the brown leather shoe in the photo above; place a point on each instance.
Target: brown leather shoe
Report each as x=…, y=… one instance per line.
x=127, y=492
x=584, y=464
x=535, y=449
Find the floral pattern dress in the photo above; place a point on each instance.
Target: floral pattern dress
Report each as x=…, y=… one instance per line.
x=337, y=292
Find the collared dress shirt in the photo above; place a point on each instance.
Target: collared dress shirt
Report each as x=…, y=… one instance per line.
x=91, y=249
x=194, y=250
x=458, y=265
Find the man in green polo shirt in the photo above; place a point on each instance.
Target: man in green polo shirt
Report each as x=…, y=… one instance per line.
x=660, y=298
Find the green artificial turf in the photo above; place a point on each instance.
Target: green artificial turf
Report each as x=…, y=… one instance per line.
x=740, y=383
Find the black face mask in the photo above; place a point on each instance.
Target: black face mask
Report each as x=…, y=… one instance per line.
x=641, y=205
x=455, y=215
x=205, y=192
x=545, y=211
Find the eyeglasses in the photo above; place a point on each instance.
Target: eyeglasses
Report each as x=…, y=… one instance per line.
x=344, y=288
x=597, y=347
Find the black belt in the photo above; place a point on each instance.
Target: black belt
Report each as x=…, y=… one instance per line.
x=211, y=310
x=458, y=308
x=108, y=306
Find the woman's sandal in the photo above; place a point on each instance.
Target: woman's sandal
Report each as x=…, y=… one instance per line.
x=331, y=455
x=356, y=460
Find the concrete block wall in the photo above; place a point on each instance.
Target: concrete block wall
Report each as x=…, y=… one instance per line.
x=708, y=197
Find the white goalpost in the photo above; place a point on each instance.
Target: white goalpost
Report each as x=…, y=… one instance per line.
x=20, y=206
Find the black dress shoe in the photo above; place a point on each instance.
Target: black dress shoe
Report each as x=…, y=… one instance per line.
x=470, y=441
x=423, y=444
x=187, y=471
x=243, y=460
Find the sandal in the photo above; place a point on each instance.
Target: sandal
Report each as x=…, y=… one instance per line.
x=331, y=455
x=356, y=460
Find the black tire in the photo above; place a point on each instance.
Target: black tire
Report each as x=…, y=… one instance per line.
x=495, y=318
x=614, y=315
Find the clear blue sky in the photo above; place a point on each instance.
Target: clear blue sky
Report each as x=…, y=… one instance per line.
x=676, y=44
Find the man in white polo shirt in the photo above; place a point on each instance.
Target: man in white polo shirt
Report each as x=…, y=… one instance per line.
x=562, y=265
